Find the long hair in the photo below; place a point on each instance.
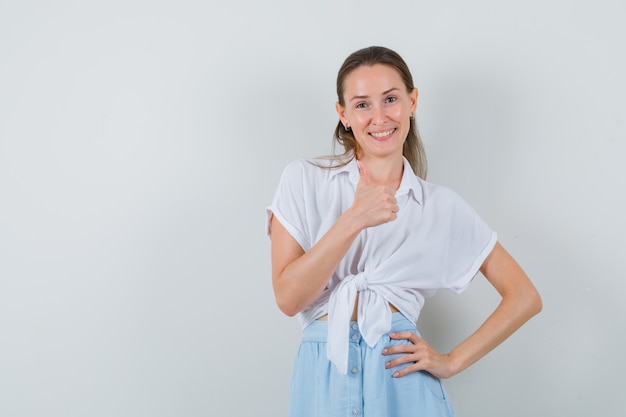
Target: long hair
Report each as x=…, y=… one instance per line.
x=413, y=149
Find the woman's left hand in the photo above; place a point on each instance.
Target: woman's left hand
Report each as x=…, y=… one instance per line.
x=520, y=301
x=419, y=355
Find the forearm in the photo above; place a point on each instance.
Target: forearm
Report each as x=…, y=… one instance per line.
x=303, y=280
x=298, y=277
x=515, y=309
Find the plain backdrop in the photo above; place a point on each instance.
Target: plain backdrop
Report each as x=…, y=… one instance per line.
x=140, y=142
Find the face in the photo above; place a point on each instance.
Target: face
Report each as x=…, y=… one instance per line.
x=378, y=110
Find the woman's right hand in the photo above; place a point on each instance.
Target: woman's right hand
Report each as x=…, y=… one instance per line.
x=299, y=277
x=373, y=204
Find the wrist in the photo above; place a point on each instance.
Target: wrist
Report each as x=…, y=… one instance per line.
x=351, y=222
x=455, y=364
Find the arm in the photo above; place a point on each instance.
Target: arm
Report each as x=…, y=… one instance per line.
x=299, y=277
x=520, y=301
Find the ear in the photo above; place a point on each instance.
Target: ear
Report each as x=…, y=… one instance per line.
x=341, y=112
x=413, y=97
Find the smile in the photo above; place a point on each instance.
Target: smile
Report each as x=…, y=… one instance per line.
x=380, y=135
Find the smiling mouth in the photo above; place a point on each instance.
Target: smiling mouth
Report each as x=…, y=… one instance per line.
x=382, y=135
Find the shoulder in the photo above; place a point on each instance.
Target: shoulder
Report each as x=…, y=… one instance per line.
x=434, y=190
x=294, y=170
x=309, y=169
x=441, y=197
x=444, y=192
x=305, y=165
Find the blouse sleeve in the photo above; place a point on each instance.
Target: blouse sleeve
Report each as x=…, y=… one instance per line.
x=288, y=204
x=470, y=241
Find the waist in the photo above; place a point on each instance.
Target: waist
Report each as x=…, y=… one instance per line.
x=354, y=312
x=318, y=330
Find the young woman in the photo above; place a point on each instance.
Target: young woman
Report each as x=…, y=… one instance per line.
x=360, y=240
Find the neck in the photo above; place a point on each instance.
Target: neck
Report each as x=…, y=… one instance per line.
x=385, y=172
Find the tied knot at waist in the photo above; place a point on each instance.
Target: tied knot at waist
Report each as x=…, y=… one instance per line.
x=373, y=316
x=359, y=281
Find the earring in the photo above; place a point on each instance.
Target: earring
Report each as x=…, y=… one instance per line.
x=346, y=127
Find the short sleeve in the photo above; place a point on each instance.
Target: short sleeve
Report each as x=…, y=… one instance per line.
x=288, y=204
x=470, y=241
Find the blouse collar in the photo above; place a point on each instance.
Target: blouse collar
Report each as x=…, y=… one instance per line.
x=410, y=183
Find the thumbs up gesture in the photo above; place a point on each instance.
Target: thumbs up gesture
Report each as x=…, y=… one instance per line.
x=373, y=204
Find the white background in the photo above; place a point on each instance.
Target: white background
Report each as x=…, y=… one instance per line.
x=140, y=142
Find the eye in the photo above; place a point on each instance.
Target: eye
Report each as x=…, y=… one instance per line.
x=361, y=105
x=391, y=99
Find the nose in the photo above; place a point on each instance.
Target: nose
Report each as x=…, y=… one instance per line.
x=379, y=115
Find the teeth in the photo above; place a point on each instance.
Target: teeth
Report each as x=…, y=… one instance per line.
x=382, y=134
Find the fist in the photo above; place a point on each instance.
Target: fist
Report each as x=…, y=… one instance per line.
x=373, y=204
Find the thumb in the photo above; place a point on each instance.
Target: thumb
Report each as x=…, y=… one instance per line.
x=365, y=176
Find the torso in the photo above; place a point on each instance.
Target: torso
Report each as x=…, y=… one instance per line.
x=397, y=267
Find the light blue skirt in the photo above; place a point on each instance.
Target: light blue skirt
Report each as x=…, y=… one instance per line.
x=368, y=389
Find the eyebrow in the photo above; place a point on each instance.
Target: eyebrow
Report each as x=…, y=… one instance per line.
x=384, y=93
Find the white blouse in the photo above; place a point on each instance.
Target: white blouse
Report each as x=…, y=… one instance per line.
x=437, y=241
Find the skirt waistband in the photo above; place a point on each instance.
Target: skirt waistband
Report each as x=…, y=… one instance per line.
x=317, y=331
